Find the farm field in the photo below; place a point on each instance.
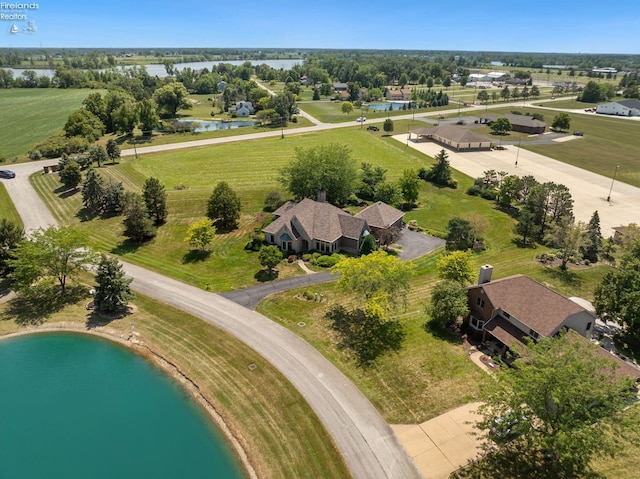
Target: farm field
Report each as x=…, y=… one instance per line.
x=42, y=112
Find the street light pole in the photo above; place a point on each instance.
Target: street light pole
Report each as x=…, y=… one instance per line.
x=612, y=180
x=134, y=148
x=282, y=128
x=518, y=152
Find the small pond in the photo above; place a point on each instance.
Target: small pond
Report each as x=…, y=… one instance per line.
x=212, y=125
x=395, y=105
x=76, y=406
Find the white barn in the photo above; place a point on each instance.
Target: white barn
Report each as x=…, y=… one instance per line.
x=620, y=108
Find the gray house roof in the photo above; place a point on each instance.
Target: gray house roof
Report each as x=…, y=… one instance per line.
x=630, y=103
x=313, y=220
x=380, y=215
x=452, y=133
x=524, y=120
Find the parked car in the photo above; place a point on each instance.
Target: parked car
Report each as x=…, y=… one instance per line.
x=577, y=133
x=7, y=174
x=373, y=128
x=361, y=119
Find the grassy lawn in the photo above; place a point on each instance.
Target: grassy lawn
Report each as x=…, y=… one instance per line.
x=31, y=115
x=329, y=111
x=569, y=104
x=276, y=427
x=7, y=209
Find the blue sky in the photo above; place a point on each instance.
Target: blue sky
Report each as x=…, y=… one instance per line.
x=566, y=26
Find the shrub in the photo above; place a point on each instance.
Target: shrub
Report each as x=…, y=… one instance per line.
x=35, y=155
x=181, y=186
x=292, y=258
x=308, y=295
x=326, y=261
x=307, y=257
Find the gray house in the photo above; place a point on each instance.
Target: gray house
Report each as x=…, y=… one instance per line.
x=629, y=107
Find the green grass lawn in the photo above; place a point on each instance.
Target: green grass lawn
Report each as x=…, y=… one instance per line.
x=7, y=209
x=31, y=115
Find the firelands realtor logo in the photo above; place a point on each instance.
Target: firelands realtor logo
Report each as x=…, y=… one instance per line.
x=19, y=16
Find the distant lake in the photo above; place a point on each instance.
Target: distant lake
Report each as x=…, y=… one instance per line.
x=75, y=406
x=155, y=69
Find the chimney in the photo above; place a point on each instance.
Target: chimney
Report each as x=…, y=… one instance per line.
x=485, y=273
x=322, y=196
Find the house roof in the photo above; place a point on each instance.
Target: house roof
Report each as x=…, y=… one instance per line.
x=630, y=103
x=317, y=221
x=525, y=120
x=452, y=133
x=505, y=331
x=380, y=215
x=533, y=304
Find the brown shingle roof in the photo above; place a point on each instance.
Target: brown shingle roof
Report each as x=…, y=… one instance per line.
x=317, y=221
x=452, y=133
x=530, y=302
x=525, y=120
x=505, y=331
x=380, y=215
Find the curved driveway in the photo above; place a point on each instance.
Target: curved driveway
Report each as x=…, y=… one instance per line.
x=365, y=440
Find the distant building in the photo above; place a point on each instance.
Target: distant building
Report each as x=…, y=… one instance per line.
x=340, y=87
x=242, y=108
x=403, y=94
x=521, y=123
x=629, y=107
x=604, y=70
x=454, y=137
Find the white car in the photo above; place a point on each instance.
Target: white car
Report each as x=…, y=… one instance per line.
x=361, y=119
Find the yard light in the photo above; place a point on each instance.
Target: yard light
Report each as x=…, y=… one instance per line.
x=282, y=127
x=518, y=152
x=134, y=148
x=612, y=180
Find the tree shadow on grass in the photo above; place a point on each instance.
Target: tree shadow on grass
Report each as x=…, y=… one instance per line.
x=64, y=192
x=518, y=242
x=195, y=256
x=41, y=302
x=96, y=319
x=264, y=275
x=566, y=277
x=85, y=215
x=127, y=246
x=513, y=462
x=450, y=334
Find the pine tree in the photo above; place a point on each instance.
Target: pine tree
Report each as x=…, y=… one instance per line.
x=593, y=242
x=138, y=225
x=155, y=198
x=224, y=206
x=93, y=191
x=113, y=199
x=112, y=291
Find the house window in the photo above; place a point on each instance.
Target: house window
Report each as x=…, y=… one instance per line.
x=286, y=245
x=588, y=326
x=272, y=239
x=480, y=302
x=477, y=323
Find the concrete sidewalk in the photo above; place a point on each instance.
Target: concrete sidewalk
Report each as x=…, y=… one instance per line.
x=443, y=444
x=589, y=190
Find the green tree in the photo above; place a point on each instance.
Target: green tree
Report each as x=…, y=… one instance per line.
x=567, y=236
x=70, y=175
x=155, y=199
x=113, y=199
x=125, y=118
x=10, y=236
x=593, y=239
x=57, y=253
x=379, y=278
x=328, y=168
x=270, y=257
x=525, y=226
x=460, y=235
x=273, y=201
x=98, y=154
x=387, y=126
x=591, y=93
x=85, y=124
x=562, y=397
x=172, y=97
x=368, y=245
x=112, y=289
x=113, y=150
x=449, y=301
x=562, y=121
x=370, y=177
x=284, y=105
x=366, y=332
x=456, y=266
x=535, y=91
x=409, y=184
x=95, y=104
x=93, y=191
x=501, y=126
x=388, y=193
x=316, y=94
x=440, y=172
x=147, y=115
x=200, y=234
x=138, y=227
x=346, y=107
x=505, y=93
x=224, y=206
x=483, y=96
x=113, y=101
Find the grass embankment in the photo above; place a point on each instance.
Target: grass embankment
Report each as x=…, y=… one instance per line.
x=607, y=142
x=31, y=115
x=7, y=208
x=277, y=429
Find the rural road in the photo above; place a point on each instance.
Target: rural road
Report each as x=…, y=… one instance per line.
x=367, y=443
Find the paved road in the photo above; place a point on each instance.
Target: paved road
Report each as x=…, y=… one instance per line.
x=367, y=443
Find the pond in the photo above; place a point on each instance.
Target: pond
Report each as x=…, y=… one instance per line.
x=77, y=406
x=212, y=125
x=395, y=105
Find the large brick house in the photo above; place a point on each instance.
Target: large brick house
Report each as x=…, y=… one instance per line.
x=507, y=311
